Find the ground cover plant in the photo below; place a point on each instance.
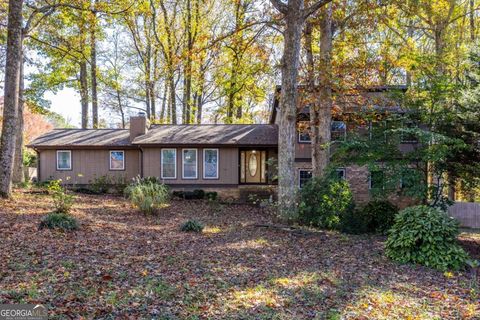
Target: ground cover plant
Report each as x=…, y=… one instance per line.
x=123, y=265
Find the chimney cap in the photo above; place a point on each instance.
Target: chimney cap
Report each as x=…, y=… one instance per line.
x=141, y=114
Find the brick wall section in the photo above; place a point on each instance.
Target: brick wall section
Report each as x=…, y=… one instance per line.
x=357, y=177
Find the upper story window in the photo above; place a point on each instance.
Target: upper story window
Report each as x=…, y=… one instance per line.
x=117, y=160
x=339, y=131
x=64, y=160
x=168, y=163
x=210, y=163
x=304, y=137
x=189, y=160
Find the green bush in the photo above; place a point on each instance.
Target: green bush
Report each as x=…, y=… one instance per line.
x=211, y=196
x=62, y=201
x=426, y=236
x=192, y=226
x=147, y=196
x=323, y=201
x=380, y=215
x=197, y=194
x=376, y=217
x=354, y=222
x=100, y=185
x=60, y=221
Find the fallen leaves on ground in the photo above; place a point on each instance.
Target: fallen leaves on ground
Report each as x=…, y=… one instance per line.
x=123, y=265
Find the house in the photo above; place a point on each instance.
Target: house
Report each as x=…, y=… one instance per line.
x=234, y=160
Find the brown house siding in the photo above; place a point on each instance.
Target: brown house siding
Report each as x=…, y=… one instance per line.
x=88, y=165
x=303, y=150
x=227, y=169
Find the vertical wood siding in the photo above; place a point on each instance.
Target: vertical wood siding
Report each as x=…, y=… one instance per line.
x=467, y=213
x=88, y=165
x=227, y=168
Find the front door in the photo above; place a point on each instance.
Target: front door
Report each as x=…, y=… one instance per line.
x=253, y=166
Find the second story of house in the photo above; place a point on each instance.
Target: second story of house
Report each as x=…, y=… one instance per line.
x=366, y=111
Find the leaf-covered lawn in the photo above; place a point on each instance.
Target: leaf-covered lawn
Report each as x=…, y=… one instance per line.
x=122, y=265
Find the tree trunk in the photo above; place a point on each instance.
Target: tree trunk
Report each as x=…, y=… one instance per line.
x=199, y=107
x=10, y=107
x=173, y=103
x=164, y=102
x=93, y=70
x=147, y=66
x=84, y=93
x=152, y=100
x=321, y=144
x=120, y=108
x=287, y=185
x=18, y=173
x=472, y=21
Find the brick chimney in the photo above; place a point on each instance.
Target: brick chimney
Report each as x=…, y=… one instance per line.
x=138, y=125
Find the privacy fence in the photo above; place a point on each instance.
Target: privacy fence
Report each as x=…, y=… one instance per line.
x=467, y=213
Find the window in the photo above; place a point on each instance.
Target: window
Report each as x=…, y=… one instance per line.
x=304, y=176
x=338, y=131
x=304, y=137
x=189, y=157
x=169, y=163
x=376, y=180
x=64, y=160
x=210, y=163
x=117, y=160
x=341, y=172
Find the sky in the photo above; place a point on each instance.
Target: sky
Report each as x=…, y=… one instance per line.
x=66, y=103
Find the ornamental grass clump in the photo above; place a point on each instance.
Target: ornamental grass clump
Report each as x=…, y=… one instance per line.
x=426, y=236
x=147, y=195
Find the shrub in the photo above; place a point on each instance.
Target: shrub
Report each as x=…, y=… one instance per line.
x=61, y=221
x=211, y=196
x=192, y=226
x=62, y=201
x=323, y=201
x=354, y=222
x=147, y=196
x=376, y=217
x=100, y=184
x=196, y=194
x=426, y=236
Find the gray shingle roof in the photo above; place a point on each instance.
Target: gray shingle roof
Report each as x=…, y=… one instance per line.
x=83, y=138
x=221, y=134
x=211, y=134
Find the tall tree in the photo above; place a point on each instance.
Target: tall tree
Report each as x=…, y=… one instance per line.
x=93, y=63
x=10, y=110
x=295, y=14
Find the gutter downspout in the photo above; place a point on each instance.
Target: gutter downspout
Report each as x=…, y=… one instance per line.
x=38, y=165
x=141, y=161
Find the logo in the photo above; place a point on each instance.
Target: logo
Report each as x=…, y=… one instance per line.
x=23, y=312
